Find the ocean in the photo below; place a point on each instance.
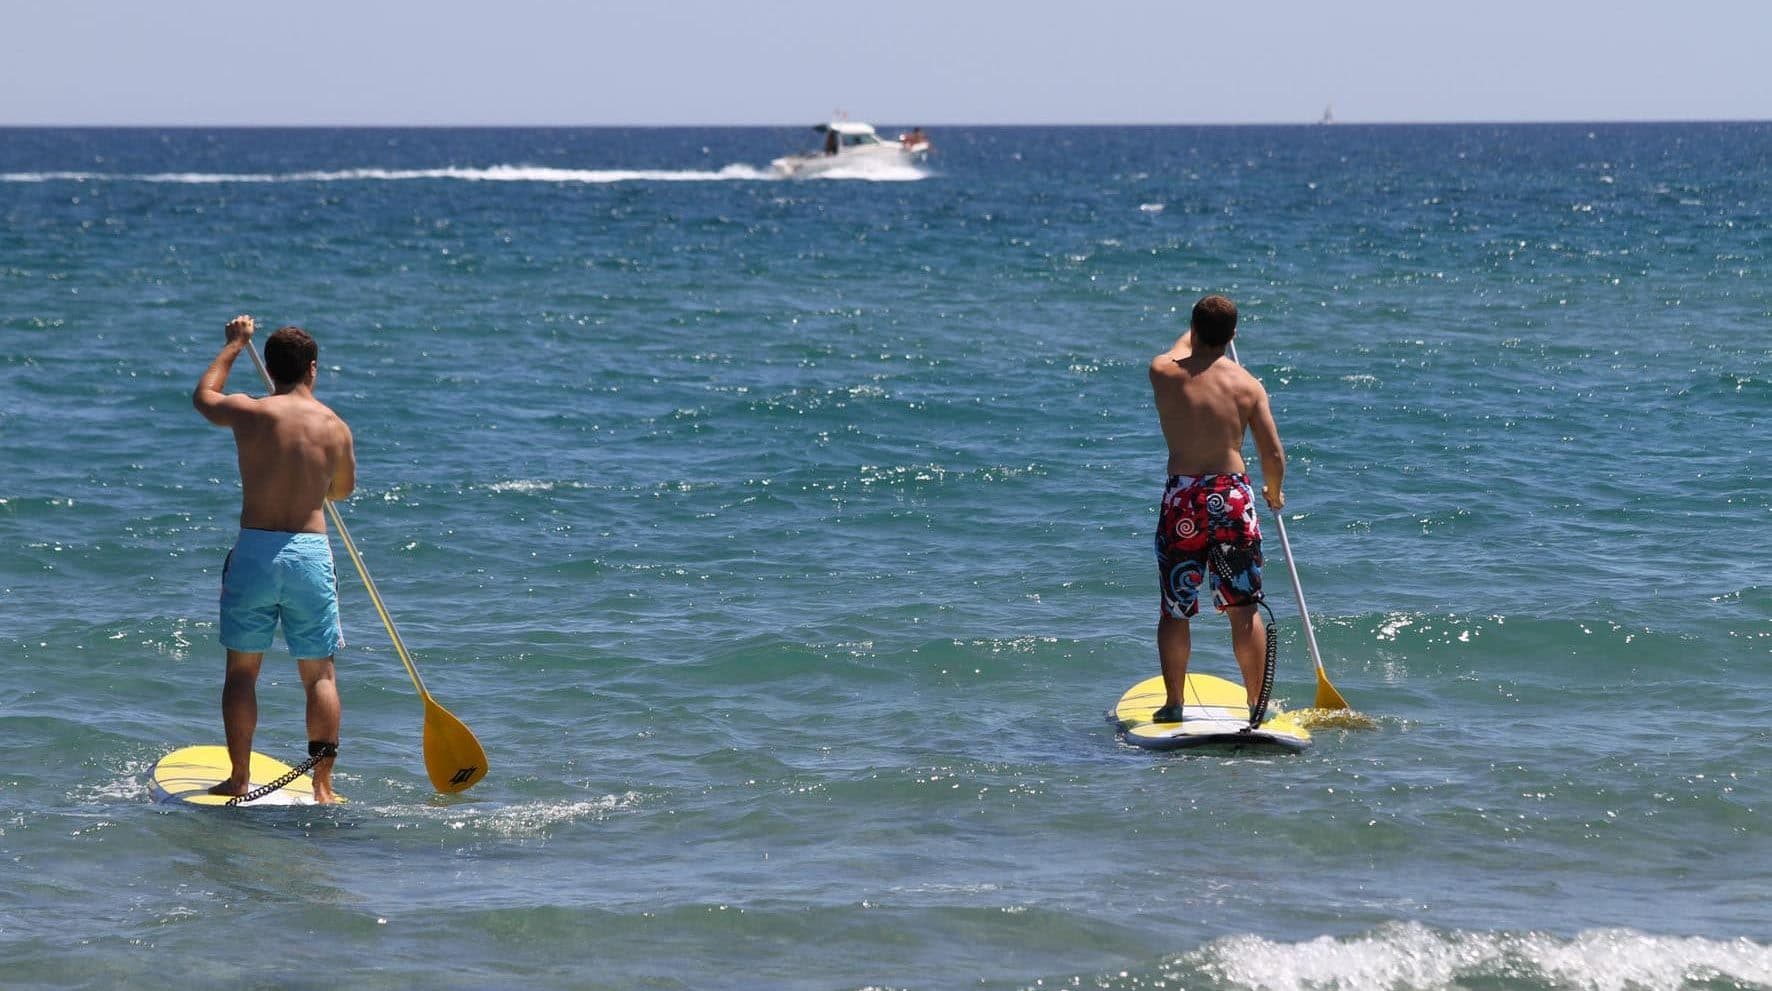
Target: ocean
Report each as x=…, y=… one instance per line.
x=784, y=542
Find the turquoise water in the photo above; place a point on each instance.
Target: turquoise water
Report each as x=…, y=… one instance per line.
x=784, y=542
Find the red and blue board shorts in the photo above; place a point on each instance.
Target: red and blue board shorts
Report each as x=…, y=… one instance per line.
x=1207, y=535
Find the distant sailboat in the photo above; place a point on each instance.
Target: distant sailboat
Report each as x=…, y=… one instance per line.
x=1328, y=115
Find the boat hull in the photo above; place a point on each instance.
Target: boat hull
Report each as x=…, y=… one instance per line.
x=817, y=163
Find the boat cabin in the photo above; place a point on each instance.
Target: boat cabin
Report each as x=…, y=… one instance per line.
x=845, y=134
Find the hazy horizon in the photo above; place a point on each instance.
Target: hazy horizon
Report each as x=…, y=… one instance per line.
x=808, y=124
x=883, y=122
x=699, y=63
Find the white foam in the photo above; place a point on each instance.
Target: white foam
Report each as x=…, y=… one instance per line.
x=1411, y=956
x=131, y=785
x=1393, y=624
x=736, y=172
x=516, y=821
x=873, y=170
x=522, y=485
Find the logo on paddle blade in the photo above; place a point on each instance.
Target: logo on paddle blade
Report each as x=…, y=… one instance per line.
x=462, y=776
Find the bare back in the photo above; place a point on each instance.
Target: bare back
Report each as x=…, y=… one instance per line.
x=1205, y=402
x=293, y=451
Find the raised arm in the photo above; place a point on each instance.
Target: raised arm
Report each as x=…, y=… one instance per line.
x=1267, y=445
x=216, y=406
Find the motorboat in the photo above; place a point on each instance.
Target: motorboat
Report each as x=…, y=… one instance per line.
x=850, y=144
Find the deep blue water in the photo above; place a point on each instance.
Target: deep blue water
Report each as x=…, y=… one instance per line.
x=783, y=543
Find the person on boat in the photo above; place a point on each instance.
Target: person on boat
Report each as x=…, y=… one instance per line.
x=294, y=454
x=1207, y=532
x=830, y=141
x=913, y=139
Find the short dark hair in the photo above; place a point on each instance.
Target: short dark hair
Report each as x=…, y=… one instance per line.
x=1214, y=321
x=288, y=353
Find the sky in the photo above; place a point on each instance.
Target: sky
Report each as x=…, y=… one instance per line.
x=933, y=62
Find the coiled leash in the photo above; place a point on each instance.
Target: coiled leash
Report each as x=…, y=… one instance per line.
x=318, y=751
x=1271, y=648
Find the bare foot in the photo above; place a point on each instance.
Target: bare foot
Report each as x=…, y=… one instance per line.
x=230, y=787
x=323, y=794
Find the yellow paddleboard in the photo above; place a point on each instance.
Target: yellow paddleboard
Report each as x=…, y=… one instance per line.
x=186, y=776
x=1215, y=713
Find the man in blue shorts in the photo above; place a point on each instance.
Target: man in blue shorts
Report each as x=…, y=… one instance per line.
x=1207, y=534
x=294, y=454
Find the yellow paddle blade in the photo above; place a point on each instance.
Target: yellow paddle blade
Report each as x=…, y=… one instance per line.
x=1327, y=696
x=453, y=757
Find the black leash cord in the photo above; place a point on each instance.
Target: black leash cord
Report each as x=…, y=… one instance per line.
x=1259, y=712
x=1271, y=648
x=316, y=754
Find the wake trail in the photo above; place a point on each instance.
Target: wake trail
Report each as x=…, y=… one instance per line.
x=736, y=172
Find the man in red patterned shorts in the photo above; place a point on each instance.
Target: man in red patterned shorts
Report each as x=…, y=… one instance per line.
x=1207, y=534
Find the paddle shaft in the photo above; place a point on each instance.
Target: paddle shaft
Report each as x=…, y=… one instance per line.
x=344, y=536
x=1304, y=613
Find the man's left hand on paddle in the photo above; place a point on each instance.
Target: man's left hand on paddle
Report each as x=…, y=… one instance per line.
x=239, y=330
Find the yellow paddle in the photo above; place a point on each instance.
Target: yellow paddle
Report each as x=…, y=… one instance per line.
x=453, y=758
x=1327, y=696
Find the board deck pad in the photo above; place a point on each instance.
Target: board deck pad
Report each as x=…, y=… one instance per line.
x=186, y=775
x=1215, y=713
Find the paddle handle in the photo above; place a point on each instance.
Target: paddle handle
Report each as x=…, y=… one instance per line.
x=381, y=610
x=1304, y=613
x=344, y=536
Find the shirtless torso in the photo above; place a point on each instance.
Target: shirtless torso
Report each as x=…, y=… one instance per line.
x=1205, y=403
x=294, y=451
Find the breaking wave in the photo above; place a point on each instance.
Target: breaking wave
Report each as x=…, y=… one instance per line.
x=1413, y=957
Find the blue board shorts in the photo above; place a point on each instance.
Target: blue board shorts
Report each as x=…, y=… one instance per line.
x=272, y=577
